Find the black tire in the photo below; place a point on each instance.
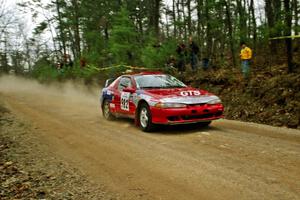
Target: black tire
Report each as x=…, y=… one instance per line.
x=145, y=118
x=106, y=110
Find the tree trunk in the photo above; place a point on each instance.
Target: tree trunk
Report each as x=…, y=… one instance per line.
x=178, y=18
x=61, y=28
x=296, y=16
x=242, y=21
x=189, y=20
x=230, y=31
x=28, y=55
x=174, y=18
x=154, y=15
x=139, y=19
x=199, y=17
x=271, y=24
x=254, y=26
x=277, y=6
x=288, y=30
x=184, y=19
x=208, y=30
x=72, y=45
x=76, y=28
x=4, y=57
x=157, y=16
x=167, y=22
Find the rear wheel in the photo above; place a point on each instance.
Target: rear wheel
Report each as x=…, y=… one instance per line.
x=106, y=111
x=145, y=118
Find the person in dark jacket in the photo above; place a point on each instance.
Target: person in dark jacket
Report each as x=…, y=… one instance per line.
x=181, y=52
x=194, y=50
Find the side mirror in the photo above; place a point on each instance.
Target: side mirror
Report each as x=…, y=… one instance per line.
x=129, y=89
x=108, y=82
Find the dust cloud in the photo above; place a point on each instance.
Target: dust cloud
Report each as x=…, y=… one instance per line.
x=71, y=90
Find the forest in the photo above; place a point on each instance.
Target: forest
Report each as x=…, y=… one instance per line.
x=145, y=33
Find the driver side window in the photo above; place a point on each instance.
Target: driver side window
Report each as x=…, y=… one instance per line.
x=124, y=83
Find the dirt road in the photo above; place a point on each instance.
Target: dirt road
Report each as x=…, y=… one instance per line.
x=228, y=160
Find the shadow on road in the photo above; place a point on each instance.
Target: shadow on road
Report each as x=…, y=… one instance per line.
x=182, y=129
x=171, y=129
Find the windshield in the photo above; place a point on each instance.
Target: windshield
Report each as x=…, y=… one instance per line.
x=157, y=81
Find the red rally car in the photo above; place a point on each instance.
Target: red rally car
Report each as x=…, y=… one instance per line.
x=153, y=98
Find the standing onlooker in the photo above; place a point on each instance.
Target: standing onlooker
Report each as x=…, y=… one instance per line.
x=171, y=62
x=59, y=66
x=82, y=62
x=245, y=55
x=194, y=50
x=181, y=51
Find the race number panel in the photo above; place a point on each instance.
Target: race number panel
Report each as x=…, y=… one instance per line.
x=125, y=101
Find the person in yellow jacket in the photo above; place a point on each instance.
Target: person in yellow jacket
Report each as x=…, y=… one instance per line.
x=246, y=56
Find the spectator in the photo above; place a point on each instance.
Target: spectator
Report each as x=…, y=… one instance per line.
x=205, y=63
x=70, y=64
x=82, y=62
x=181, y=52
x=171, y=62
x=59, y=65
x=246, y=56
x=194, y=50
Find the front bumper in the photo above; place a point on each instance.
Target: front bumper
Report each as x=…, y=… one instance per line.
x=190, y=114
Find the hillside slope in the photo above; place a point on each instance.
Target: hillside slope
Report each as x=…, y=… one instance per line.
x=270, y=96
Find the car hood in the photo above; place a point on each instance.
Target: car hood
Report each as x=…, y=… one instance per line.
x=181, y=95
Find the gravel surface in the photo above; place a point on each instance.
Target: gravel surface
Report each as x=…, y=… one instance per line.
x=28, y=169
x=65, y=135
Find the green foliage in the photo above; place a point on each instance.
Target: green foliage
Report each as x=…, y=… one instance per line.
x=40, y=28
x=109, y=33
x=277, y=30
x=123, y=43
x=44, y=71
x=96, y=52
x=263, y=33
x=156, y=55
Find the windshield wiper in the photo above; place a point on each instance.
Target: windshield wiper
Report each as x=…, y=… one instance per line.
x=163, y=87
x=174, y=86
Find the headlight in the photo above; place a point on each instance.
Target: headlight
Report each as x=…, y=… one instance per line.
x=170, y=105
x=215, y=101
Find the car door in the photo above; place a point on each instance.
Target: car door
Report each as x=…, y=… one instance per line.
x=123, y=99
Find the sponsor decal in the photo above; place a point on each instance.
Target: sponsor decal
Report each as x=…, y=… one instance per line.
x=125, y=101
x=190, y=93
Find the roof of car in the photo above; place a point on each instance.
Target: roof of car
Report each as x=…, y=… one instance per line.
x=144, y=73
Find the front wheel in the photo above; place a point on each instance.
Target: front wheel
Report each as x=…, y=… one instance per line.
x=145, y=118
x=106, y=111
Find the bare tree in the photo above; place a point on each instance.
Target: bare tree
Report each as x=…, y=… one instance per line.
x=7, y=21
